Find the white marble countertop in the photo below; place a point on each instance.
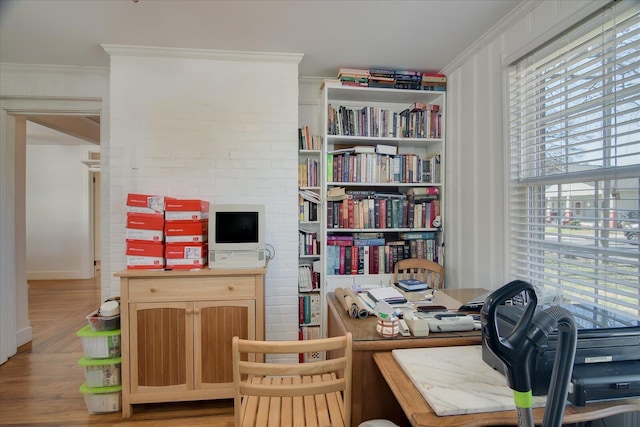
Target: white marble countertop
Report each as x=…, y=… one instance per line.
x=455, y=380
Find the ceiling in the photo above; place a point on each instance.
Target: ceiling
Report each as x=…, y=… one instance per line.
x=423, y=35
x=44, y=129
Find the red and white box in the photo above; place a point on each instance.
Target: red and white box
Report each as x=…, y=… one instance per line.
x=181, y=263
x=186, y=231
x=192, y=255
x=185, y=209
x=144, y=228
x=142, y=255
x=186, y=251
x=145, y=204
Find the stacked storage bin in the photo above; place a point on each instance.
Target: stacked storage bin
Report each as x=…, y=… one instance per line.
x=101, y=362
x=145, y=232
x=186, y=233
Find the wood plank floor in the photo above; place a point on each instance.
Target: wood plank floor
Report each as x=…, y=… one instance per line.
x=39, y=385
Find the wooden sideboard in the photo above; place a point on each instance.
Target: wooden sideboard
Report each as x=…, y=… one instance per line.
x=177, y=328
x=371, y=397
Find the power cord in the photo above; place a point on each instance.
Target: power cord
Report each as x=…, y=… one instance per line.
x=270, y=251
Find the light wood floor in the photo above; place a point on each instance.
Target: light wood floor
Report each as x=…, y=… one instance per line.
x=39, y=385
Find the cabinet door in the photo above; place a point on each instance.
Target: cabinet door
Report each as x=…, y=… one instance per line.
x=161, y=346
x=216, y=323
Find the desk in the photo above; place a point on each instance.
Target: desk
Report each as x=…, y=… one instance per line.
x=420, y=414
x=371, y=397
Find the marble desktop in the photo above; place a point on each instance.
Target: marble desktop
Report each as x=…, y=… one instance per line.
x=455, y=380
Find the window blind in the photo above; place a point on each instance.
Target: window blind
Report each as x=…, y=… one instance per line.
x=574, y=130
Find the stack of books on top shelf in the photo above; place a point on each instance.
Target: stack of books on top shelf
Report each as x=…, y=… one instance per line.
x=407, y=79
x=354, y=77
x=379, y=77
x=434, y=81
x=392, y=79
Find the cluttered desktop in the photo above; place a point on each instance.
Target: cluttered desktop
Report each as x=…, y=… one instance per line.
x=451, y=318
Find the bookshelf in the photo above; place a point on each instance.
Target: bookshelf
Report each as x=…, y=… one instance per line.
x=309, y=228
x=382, y=183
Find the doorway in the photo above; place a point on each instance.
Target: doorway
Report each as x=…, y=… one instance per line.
x=15, y=329
x=61, y=198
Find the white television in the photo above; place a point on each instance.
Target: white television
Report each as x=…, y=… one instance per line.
x=236, y=236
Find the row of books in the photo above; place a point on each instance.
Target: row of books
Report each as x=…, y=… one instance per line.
x=377, y=259
x=310, y=333
x=309, y=309
x=308, y=243
x=382, y=212
x=308, y=173
x=383, y=168
x=308, y=141
x=308, y=210
x=308, y=278
x=418, y=121
x=393, y=79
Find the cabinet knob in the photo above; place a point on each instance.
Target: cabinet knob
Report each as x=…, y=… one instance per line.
x=230, y=287
x=196, y=311
x=152, y=290
x=188, y=311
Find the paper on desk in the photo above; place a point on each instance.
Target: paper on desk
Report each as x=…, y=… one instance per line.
x=455, y=380
x=440, y=298
x=388, y=294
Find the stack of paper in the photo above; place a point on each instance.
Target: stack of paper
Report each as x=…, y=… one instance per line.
x=388, y=294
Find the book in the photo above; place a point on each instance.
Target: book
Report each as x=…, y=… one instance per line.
x=336, y=193
x=357, y=149
x=422, y=191
x=417, y=235
x=387, y=294
x=412, y=285
x=391, y=150
x=434, y=78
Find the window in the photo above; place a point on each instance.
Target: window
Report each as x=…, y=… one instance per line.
x=574, y=130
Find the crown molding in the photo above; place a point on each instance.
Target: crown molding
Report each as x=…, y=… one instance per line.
x=45, y=68
x=225, y=55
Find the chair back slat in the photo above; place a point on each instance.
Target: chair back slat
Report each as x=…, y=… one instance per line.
x=427, y=271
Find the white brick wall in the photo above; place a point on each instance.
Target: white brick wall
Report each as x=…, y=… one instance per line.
x=209, y=127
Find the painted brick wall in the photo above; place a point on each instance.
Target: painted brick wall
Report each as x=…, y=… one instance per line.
x=209, y=127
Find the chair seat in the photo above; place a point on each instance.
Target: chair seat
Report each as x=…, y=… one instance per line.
x=318, y=410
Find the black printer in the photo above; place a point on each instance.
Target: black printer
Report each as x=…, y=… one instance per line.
x=604, y=338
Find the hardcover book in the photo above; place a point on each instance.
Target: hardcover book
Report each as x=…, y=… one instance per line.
x=412, y=285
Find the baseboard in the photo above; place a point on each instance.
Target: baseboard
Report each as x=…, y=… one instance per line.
x=24, y=336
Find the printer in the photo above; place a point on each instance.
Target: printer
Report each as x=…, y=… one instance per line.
x=606, y=341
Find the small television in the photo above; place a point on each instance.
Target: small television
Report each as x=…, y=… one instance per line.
x=236, y=236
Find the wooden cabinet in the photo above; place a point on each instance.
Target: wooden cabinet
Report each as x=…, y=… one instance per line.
x=177, y=328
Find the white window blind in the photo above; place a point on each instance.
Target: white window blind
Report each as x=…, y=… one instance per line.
x=574, y=131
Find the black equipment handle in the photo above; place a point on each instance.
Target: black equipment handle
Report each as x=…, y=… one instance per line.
x=515, y=349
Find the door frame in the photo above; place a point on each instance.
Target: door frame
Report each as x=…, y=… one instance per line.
x=15, y=329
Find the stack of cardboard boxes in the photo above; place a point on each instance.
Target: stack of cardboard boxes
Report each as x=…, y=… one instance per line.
x=164, y=232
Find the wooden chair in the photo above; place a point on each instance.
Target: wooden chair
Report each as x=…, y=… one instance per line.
x=429, y=272
x=292, y=394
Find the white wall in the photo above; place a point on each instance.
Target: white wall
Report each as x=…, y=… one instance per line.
x=476, y=164
x=58, y=223
x=212, y=125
